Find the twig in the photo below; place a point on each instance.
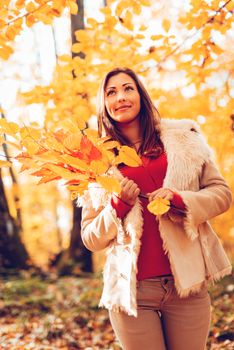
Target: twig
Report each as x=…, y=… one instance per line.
x=181, y=211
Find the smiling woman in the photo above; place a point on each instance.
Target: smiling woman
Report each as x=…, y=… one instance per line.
x=127, y=113
x=122, y=99
x=156, y=272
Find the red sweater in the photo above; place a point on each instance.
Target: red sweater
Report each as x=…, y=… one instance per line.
x=152, y=260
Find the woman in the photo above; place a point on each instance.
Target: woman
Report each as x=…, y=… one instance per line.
x=156, y=272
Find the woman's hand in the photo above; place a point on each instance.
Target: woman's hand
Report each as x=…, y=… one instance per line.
x=129, y=192
x=164, y=193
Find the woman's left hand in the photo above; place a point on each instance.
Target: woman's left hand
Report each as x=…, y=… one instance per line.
x=164, y=193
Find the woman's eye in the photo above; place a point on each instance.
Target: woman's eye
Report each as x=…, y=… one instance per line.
x=128, y=88
x=110, y=92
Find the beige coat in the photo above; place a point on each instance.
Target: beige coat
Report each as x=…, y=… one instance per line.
x=194, y=250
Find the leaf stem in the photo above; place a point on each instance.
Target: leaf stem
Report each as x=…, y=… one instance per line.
x=181, y=211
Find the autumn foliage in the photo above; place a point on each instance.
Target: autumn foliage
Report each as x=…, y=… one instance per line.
x=184, y=54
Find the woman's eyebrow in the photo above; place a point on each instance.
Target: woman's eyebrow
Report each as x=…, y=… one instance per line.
x=114, y=87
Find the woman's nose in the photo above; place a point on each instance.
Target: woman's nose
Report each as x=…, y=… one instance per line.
x=121, y=96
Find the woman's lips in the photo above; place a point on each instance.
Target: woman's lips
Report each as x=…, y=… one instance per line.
x=122, y=108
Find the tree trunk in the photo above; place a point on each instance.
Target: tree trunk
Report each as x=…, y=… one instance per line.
x=76, y=254
x=77, y=250
x=12, y=251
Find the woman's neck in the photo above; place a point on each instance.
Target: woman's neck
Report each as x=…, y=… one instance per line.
x=131, y=131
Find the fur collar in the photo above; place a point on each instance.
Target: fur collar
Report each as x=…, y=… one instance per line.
x=186, y=151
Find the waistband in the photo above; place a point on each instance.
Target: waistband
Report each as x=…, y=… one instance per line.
x=158, y=278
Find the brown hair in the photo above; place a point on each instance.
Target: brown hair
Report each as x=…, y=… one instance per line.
x=149, y=117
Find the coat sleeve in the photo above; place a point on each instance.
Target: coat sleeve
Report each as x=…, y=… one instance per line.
x=213, y=198
x=98, y=227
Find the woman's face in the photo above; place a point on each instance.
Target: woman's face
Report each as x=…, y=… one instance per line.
x=122, y=99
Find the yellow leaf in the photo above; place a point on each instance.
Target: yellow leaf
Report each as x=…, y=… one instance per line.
x=159, y=206
x=129, y=156
x=75, y=162
x=9, y=128
x=69, y=125
x=2, y=23
x=92, y=22
x=13, y=144
x=91, y=133
x=76, y=48
x=31, y=146
x=166, y=25
x=109, y=183
x=120, y=8
x=72, y=142
x=108, y=156
x=11, y=33
x=106, y=11
x=66, y=174
x=136, y=7
x=27, y=164
x=78, y=190
x=29, y=131
x=81, y=35
x=110, y=145
x=30, y=7
x=145, y=2
x=81, y=123
x=104, y=139
x=5, y=52
x=83, y=112
x=50, y=156
x=5, y=163
x=30, y=20
x=51, y=143
x=65, y=58
x=98, y=167
x=143, y=28
x=73, y=7
x=127, y=20
x=156, y=37
x=20, y=3
x=2, y=140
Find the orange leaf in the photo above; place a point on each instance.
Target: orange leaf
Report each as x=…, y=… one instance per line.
x=48, y=178
x=88, y=149
x=11, y=33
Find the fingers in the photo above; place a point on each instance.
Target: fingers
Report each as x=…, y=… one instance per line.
x=130, y=191
x=164, y=193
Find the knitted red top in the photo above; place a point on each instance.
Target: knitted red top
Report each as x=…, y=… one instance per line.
x=152, y=260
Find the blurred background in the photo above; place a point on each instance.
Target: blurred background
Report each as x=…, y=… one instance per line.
x=53, y=56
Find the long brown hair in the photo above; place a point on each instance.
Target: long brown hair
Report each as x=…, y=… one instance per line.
x=149, y=117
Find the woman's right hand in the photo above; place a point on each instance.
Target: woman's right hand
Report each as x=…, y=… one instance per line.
x=130, y=191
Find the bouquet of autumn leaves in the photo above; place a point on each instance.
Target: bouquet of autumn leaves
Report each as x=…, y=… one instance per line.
x=79, y=157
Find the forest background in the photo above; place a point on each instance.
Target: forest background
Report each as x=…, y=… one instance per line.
x=53, y=56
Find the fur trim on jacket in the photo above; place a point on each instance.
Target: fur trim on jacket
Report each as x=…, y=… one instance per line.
x=195, y=252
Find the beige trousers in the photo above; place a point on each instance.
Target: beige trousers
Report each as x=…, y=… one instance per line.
x=165, y=321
